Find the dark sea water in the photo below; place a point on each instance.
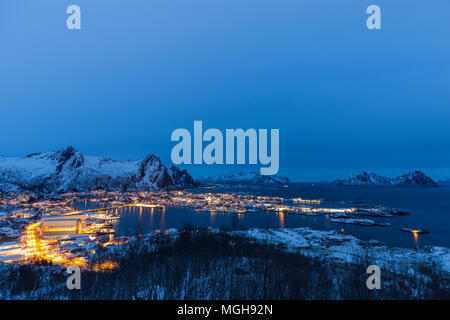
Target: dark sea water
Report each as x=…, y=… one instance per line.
x=429, y=208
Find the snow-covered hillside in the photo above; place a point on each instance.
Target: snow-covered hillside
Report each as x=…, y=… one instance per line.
x=414, y=179
x=69, y=170
x=246, y=178
x=346, y=248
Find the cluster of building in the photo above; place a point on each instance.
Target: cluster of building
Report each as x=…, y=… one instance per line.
x=238, y=203
x=61, y=234
x=10, y=251
x=64, y=225
x=71, y=237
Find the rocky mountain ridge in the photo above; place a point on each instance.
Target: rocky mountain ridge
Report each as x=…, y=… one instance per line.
x=412, y=179
x=69, y=170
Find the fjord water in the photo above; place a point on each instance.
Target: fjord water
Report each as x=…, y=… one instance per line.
x=429, y=210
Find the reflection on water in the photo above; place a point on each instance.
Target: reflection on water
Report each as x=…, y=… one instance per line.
x=152, y=212
x=162, y=224
x=327, y=220
x=416, y=238
x=281, y=218
x=430, y=210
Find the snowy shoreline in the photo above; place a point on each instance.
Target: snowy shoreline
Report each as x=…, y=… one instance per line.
x=309, y=264
x=345, y=248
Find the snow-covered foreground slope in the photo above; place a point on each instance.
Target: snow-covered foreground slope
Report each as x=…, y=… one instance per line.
x=212, y=264
x=69, y=170
x=346, y=248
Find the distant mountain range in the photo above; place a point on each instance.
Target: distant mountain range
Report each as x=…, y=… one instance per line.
x=412, y=179
x=244, y=178
x=68, y=170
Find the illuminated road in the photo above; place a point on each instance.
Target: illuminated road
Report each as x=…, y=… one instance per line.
x=35, y=248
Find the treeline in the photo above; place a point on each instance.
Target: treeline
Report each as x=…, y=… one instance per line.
x=200, y=264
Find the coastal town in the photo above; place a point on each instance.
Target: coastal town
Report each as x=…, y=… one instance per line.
x=50, y=229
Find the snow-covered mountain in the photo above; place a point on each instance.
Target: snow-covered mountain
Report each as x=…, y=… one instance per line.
x=363, y=178
x=413, y=179
x=245, y=178
x=69, y=170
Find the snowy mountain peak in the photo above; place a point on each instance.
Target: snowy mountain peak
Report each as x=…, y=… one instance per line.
x=415, y=178
x=364, y=178
x=69, y=170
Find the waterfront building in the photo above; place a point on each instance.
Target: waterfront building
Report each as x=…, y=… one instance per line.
x=62, y=226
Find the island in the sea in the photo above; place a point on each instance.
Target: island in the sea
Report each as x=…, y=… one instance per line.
x=412, y=179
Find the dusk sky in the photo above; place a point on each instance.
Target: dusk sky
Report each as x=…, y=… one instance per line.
x=345, y=98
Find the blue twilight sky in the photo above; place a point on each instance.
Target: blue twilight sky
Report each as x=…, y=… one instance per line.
x=344, y=98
